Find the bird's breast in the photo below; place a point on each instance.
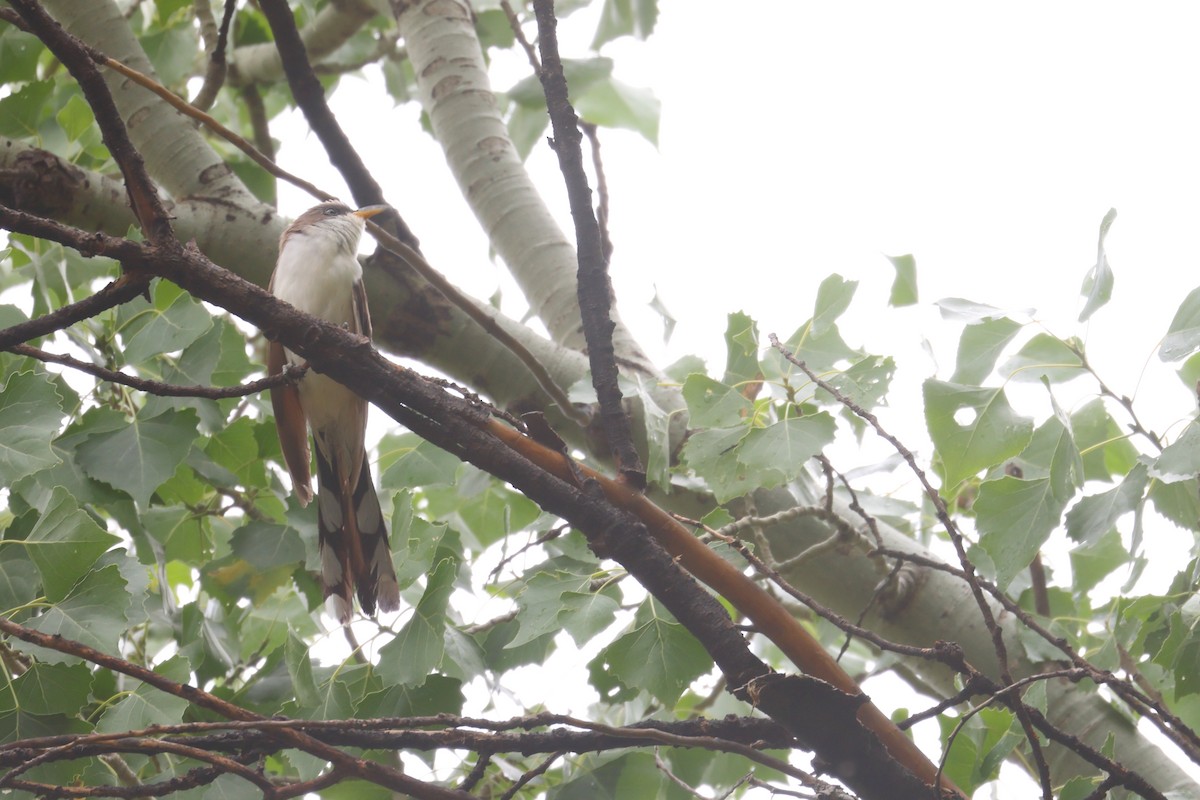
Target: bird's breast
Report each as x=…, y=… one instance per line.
x=317, y=276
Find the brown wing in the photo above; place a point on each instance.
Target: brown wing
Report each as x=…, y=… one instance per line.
x=292, y=426
x=362, y=314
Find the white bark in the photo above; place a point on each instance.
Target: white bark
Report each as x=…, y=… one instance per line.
x=942, y=607
x=328, y=30
x=456, y=93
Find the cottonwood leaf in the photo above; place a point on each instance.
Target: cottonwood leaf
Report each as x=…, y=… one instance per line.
x=265, y=545
x=1094, y=516
x=972, y=428
x=417, y=649
x=142, y=456
x=865, y=383
x=49, y=689
x=1092, y=561
x=625, y=18
x=1179, y=460
x=1015, y=517
x=64, y=544
x=658, y=655
x=172, y=323
x=147, y=705
x=710, y=453
x=712, y=404
x=741, y=347
x=615, y=104
x=980, y=346
x=92, y=614
x=968, y=311
x=1105, y=448
x=1098, y=283
x=1045, y=356
x=833, y=298
x=904, y=286
x=1183, y=334
x=21, y=111
x=559, y=590
x=30, y=415
x=786, y=446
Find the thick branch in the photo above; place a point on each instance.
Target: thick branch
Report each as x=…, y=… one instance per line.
x=468, y=432
x=329, y=29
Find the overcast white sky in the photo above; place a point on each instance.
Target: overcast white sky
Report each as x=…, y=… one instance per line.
x=802, y=138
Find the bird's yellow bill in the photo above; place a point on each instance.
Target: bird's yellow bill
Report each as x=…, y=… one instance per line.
x=369, y=211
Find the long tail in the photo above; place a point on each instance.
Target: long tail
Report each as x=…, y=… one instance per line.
x=353, y=543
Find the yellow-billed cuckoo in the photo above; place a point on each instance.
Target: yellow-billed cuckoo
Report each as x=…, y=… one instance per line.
x=318, y=272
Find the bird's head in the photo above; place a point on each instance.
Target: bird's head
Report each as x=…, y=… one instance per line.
x=334, y=219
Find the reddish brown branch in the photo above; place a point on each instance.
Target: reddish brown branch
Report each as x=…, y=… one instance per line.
x=607, y=517
x=594, y=287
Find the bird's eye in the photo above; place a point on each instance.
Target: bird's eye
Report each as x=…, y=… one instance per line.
x=331, y=212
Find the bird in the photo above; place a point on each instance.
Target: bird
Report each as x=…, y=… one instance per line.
x=318, y=272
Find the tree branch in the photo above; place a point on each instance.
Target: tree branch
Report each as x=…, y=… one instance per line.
x=594, y=289
x=291, y=374
x=147, y=206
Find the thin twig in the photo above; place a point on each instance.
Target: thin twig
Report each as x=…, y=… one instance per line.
x=290, y=375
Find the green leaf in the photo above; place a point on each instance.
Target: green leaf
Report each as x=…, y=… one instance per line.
x=22, y=111
x=786, y=446
x=833, y=298
x=1045, y=356
x=972, y=428
x=657, y=655
x=580, y=73
x=1183, y=334
x=526, y=125
x=559, y=596
x=710, y=454
x=741, y=346
x=30, y=415
x=1094, y=516
x=1105, y=448
x=1092, y=561
x=140, y=457
x=172, y=51
x=1015, y=517
x=1098, y=283
x=968, y=311
x=19, y=52
x=614, y=104
x=904, y=287
x=1179, y=460
x=407, y=461
x=64, y=544
x=300, y=670
x=625, y=18
x=712, y=404
x=173, y=323
x=92, y=614
x=147, y=705
x=75, y=117
x=265, y=545
x=656, y=425
x=980, y=346
x=865, y=383
x=417, y=649
x=52, y=689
